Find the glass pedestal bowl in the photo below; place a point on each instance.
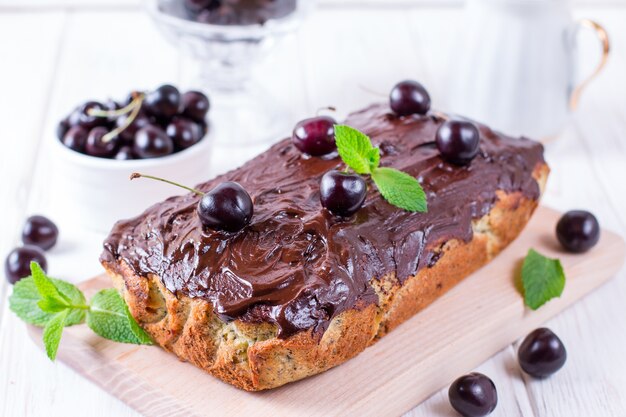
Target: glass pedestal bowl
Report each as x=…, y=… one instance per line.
x=225, y=55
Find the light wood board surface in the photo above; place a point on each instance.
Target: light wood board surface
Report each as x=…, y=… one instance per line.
x=466, y=326
x=57, y=53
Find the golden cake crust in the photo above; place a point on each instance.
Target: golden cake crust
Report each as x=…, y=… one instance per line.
x=252, y=357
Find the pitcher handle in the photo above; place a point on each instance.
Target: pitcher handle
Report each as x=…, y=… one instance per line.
x=606, y=46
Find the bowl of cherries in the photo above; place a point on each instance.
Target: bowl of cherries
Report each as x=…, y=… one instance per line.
x=100, y=143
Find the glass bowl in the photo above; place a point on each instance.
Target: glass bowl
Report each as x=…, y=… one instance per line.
x=225, y=56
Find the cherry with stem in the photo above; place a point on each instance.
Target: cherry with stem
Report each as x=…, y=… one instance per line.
x=228, y=207
x=134, y=107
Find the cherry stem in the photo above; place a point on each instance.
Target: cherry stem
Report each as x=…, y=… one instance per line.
x=115, y=113
x=329, y=108
x=441, y=115
x=369, y=90
x=136, y=175
x=135, y=105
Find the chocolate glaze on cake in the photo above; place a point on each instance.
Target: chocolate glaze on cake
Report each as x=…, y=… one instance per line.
x=298, y=266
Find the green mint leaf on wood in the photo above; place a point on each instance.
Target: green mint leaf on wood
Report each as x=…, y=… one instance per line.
x=400, y=189
x=356, y=149
x=542, y=279
x=110, y=318
x=25, y=299
x=54, y=304
x=52, y=333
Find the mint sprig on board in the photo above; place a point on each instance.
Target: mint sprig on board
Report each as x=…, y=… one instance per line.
x=398, y=188
x=54, y=304
x=542, y=279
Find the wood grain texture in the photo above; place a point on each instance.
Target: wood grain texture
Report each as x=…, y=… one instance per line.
x=476, y=319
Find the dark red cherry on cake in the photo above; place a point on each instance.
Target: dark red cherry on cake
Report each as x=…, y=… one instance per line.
x=541, y=353
x=17, y=263
x=100, y=146
x=458, y=141
x=409, y=97
x=164, y=102
x=195, y=105
x=183, y=132
x=40, y=231
x=76, y=138
x=578, y=231
x=341, y=193
x=152, y=142
x=315, y=136
x=226, y=207
x=473, y=395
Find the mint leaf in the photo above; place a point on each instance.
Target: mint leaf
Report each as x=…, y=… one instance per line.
x=45, y=287
x=110, y=318
x=23, y=302
x=25, y=299
x=53, y=304
x=542, y=278
x=52, y=333
x=356, y=150
x=400, y=189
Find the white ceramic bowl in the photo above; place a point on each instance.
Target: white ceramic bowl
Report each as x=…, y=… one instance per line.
x=96, y=192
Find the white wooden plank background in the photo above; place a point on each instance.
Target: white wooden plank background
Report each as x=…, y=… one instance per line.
x=56, y=53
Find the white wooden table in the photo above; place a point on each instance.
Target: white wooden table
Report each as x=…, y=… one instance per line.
x=57, y=53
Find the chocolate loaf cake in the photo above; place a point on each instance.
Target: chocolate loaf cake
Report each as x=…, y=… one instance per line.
x=299, y=290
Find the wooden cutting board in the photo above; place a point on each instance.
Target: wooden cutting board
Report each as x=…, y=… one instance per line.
x=462, y=329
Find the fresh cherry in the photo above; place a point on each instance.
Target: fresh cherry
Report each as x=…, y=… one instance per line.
x=578, y=231
x=315, y=136
x=473, y=395
x=458, y=141
x=226, y=207
x=125, y=154
x=541, y=353
x=409, y=97
x=195, y=105
x=62, y=128
x=40, y=231
x=129, y=132
x=112, y=105
x=76, y=138
x=341, y=193
x=183, y=132
x=152, y=142
x=160, y=109
x=81, y=116
x=163, y=102
x=17, y=263
x=196, y=6
x=98, y=146
x=226, y=14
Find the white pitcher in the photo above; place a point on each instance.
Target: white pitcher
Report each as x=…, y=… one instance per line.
x=516, y=66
